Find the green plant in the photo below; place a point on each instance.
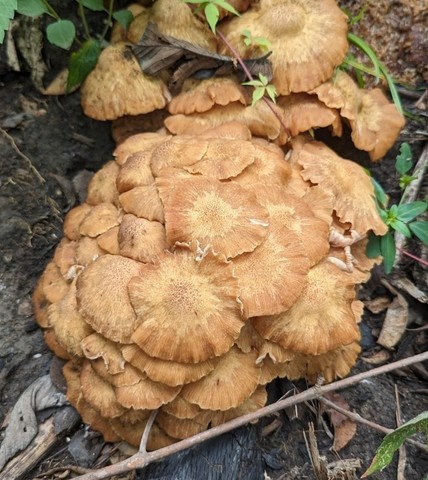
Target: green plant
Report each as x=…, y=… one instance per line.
x=394, y=440
x=211, y=9
x=401, y=217
x=378, y=70
x=62, y=32
x=262, y=87
x=260, y=41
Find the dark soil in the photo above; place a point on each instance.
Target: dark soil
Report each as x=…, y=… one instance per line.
x=47, y=150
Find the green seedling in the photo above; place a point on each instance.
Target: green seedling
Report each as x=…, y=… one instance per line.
x=262, y=88
x=401, y=217
x=211, y=9
x=261, y=42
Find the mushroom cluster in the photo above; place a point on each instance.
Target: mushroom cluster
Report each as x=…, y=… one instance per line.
x=214, y=255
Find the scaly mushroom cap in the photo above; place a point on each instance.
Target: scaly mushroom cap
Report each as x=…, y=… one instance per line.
x=102, y=187
x=313, y=31
x=181, y=428
x=321, y=319
x=232, y=381
x=180, y=295
x=211, y=214
x=132, y=433
x=96, y=346
x=201, y=95
x=348, y=182
x=118, y=87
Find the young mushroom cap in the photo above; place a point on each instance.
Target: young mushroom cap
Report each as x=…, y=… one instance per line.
x=321, y=319
x=102, y=187
x=135, y=172
x=143, y=202
x=138, y=143
x=211, y=214
x=99, y=219
x=234, y=380
x=314, y=32
x=187, y=310
x=118, y=87
x=73, y=219
x=350, y=185
x=96, y=346
x=102, y=296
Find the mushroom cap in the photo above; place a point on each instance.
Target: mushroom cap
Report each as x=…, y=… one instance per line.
x=65, y=256
x=102, y=187
x=348, y=182
x=287, y=210
x=233, y=380
x=314, y=32
x=181, y=408
x=302, y=112
x=109, y=242
x=321, y=319
x=141, y=239
x=99, y=219
x=274, y=275
x=102, y=296
x=132, y=433
x=167, y=372
x=96, y=346
x=211, y=214
x=40, y=305
x=118, y=87
x=201, y=95
x=73, y=219
x=143, y=202
x=187, y=310
x=135, y=172
x=54, y=285
x=181, y=428
x=140, y=142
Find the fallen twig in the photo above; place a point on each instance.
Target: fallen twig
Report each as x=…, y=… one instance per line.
x=142, y=459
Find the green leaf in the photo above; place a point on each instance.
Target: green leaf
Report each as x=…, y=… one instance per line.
x=32, y=8
x=258, y=94
x=387, y=249
x=373, y=246
x=212, y=15
x=82, y=62
x=393, y=441
x=253, y=83
x=404, y=160
x=400, y=227
x=227, y=6
x=408, y=211
x=94, y=5
x=380, y=194
x=405, y=180
x=7, y=9
x=271, y=91
x=420, y=229
x=61, y=33
x=124, y=17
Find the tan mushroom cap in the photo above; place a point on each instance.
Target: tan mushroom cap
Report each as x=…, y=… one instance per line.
x=321, y=319
x=181, y=408
x=221, y=216
x=181, y=428
x=71, y=371
x=99, y=219
x=73, y=219
x=145, y=394
x=201, y=95
x=167, y=372
x=118, y=87
x=234, y=380
x=303, y=112
x=108, y=241
x=314, y=31
x=332, y=364
x=272, y=276
x=249, y=338
x=258, y=118
x=287, y=210
x=53, y=344
x=132, y=433
x=320, y=202
x=377, y=125
x=69, y=326
x=143, y=202
x=232, y=129
x=87, y=250
x=269, y=166
x=65, y=256
x=256, y=401
x=348, y=182
x=118, y=33
x=135, y=172
x=141, y=239
x=96, y=346
x=271, y=370
x=102, y=296
x=274, y=352
x=40, y=305
x=102, y=187
x=54, y=285
x=187, y=310
x=98, y=393
x=139, y=142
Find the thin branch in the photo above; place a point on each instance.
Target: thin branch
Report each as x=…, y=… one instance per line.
x=141, y=460
x=146, y=433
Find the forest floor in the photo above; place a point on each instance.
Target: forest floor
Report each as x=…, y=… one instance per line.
x=48, y=150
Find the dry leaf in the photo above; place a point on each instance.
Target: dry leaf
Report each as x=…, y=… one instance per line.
x=377, y=305
x=344, y=428
x=378, y=358
x=395, y=323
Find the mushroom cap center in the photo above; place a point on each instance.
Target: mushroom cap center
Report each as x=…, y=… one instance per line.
x=183, y=297
x=285, y=20
x=212, y=216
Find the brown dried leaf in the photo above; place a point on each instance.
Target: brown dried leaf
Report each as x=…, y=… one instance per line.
x=377, y=305
x=344, y=428
x=395, y=323
x=378, y=358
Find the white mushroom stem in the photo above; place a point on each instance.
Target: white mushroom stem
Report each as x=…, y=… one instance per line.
x=338, y=239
